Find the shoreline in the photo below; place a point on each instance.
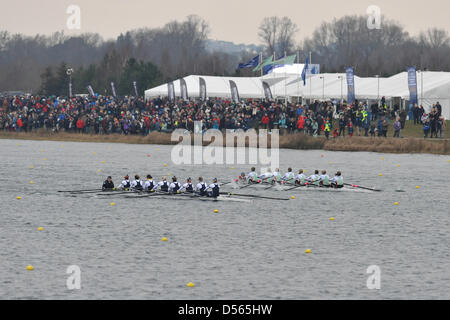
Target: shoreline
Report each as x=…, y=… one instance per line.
x=293, y=141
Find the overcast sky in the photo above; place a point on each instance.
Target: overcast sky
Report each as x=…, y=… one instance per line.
x=230, y=20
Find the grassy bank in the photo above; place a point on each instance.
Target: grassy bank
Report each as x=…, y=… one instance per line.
x=295, y=141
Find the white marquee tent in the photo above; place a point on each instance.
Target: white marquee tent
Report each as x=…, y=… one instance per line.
x=432, y=87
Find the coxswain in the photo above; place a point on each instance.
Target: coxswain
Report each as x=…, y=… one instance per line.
x=289, y=176
x=163, y=185
x=108, y=184
x=314, y=178
x=300, y=179
x=324, y=179
x=201, y=187
x=252, y=177
x=149, y=185
x=137, y=183
x=126, y=184
x=175, y=186
x=338, y=180
x=214, y=189
x=188, y=186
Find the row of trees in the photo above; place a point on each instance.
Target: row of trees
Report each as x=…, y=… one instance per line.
x=153, y=56
x=349, y=42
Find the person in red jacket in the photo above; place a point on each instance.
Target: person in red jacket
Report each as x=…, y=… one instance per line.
x=301, y=123
x=80, y=125
x=19, y=125
x=265, y=121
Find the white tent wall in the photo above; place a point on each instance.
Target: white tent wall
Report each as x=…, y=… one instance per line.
x=436, y=87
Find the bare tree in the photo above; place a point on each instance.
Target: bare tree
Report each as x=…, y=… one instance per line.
x=277, y=34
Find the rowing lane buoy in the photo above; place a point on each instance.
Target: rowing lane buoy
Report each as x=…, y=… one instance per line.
x=191, y=285
x=308, y=251
x=216, y=211
x=40, y=229
x=30, y=268
x=164, y=239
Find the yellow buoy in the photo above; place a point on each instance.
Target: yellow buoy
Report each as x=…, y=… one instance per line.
x=165, y=164
x=191, y=285
x=99, y=170
x=332, y=219
x=164, y=239
x=293, y=197
x=113, y=204
x=40, y=229
x=417, y=187
x=308, y=251
x=31, y=167
x=169, y=174
x=382, y=158
x=398, y=165
x=380, y=175
x=44, y=159
x=31, y=182
x=232, y=168
x=19, y=197
x=43, y=150
x=396, y=203
x=103, y=161
x=216, y=211
x=30, y=268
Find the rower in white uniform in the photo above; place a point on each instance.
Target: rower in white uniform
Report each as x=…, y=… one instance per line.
x=324, y=179
x=149, y=185
x=300, y=179
x=126, y=184
x=289, y=176
x=314, y=178
x=201, y=187
x=338, y=180
x=175, y=186
x=252, y=177
x=163, y=185
x=137, y=184
x=266, y=176
x=188, y=186
x=276, y=176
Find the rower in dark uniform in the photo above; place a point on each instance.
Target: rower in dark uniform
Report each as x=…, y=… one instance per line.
x=108, y=184
x=214, y=189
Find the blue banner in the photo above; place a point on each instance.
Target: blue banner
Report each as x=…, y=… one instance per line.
x=412, y=85
x=305, y=70
x=351, y=84
x=251, y=64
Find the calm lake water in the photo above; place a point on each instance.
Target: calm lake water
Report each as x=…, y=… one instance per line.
x=246, y=251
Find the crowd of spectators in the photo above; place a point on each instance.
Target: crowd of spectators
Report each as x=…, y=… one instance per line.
x=133, y=116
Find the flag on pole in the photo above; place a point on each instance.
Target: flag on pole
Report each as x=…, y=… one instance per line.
x=305, y=70
x=251, y=64
x=264, y=63
x=267, y=91
x=90, y=90
x=234, y=91
x=171, y=91
x=183, y=90
x=285, y=60
x=202, y=89
x=412, y=85
x=113, y=89
x=351, y=84
x=135, y=89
